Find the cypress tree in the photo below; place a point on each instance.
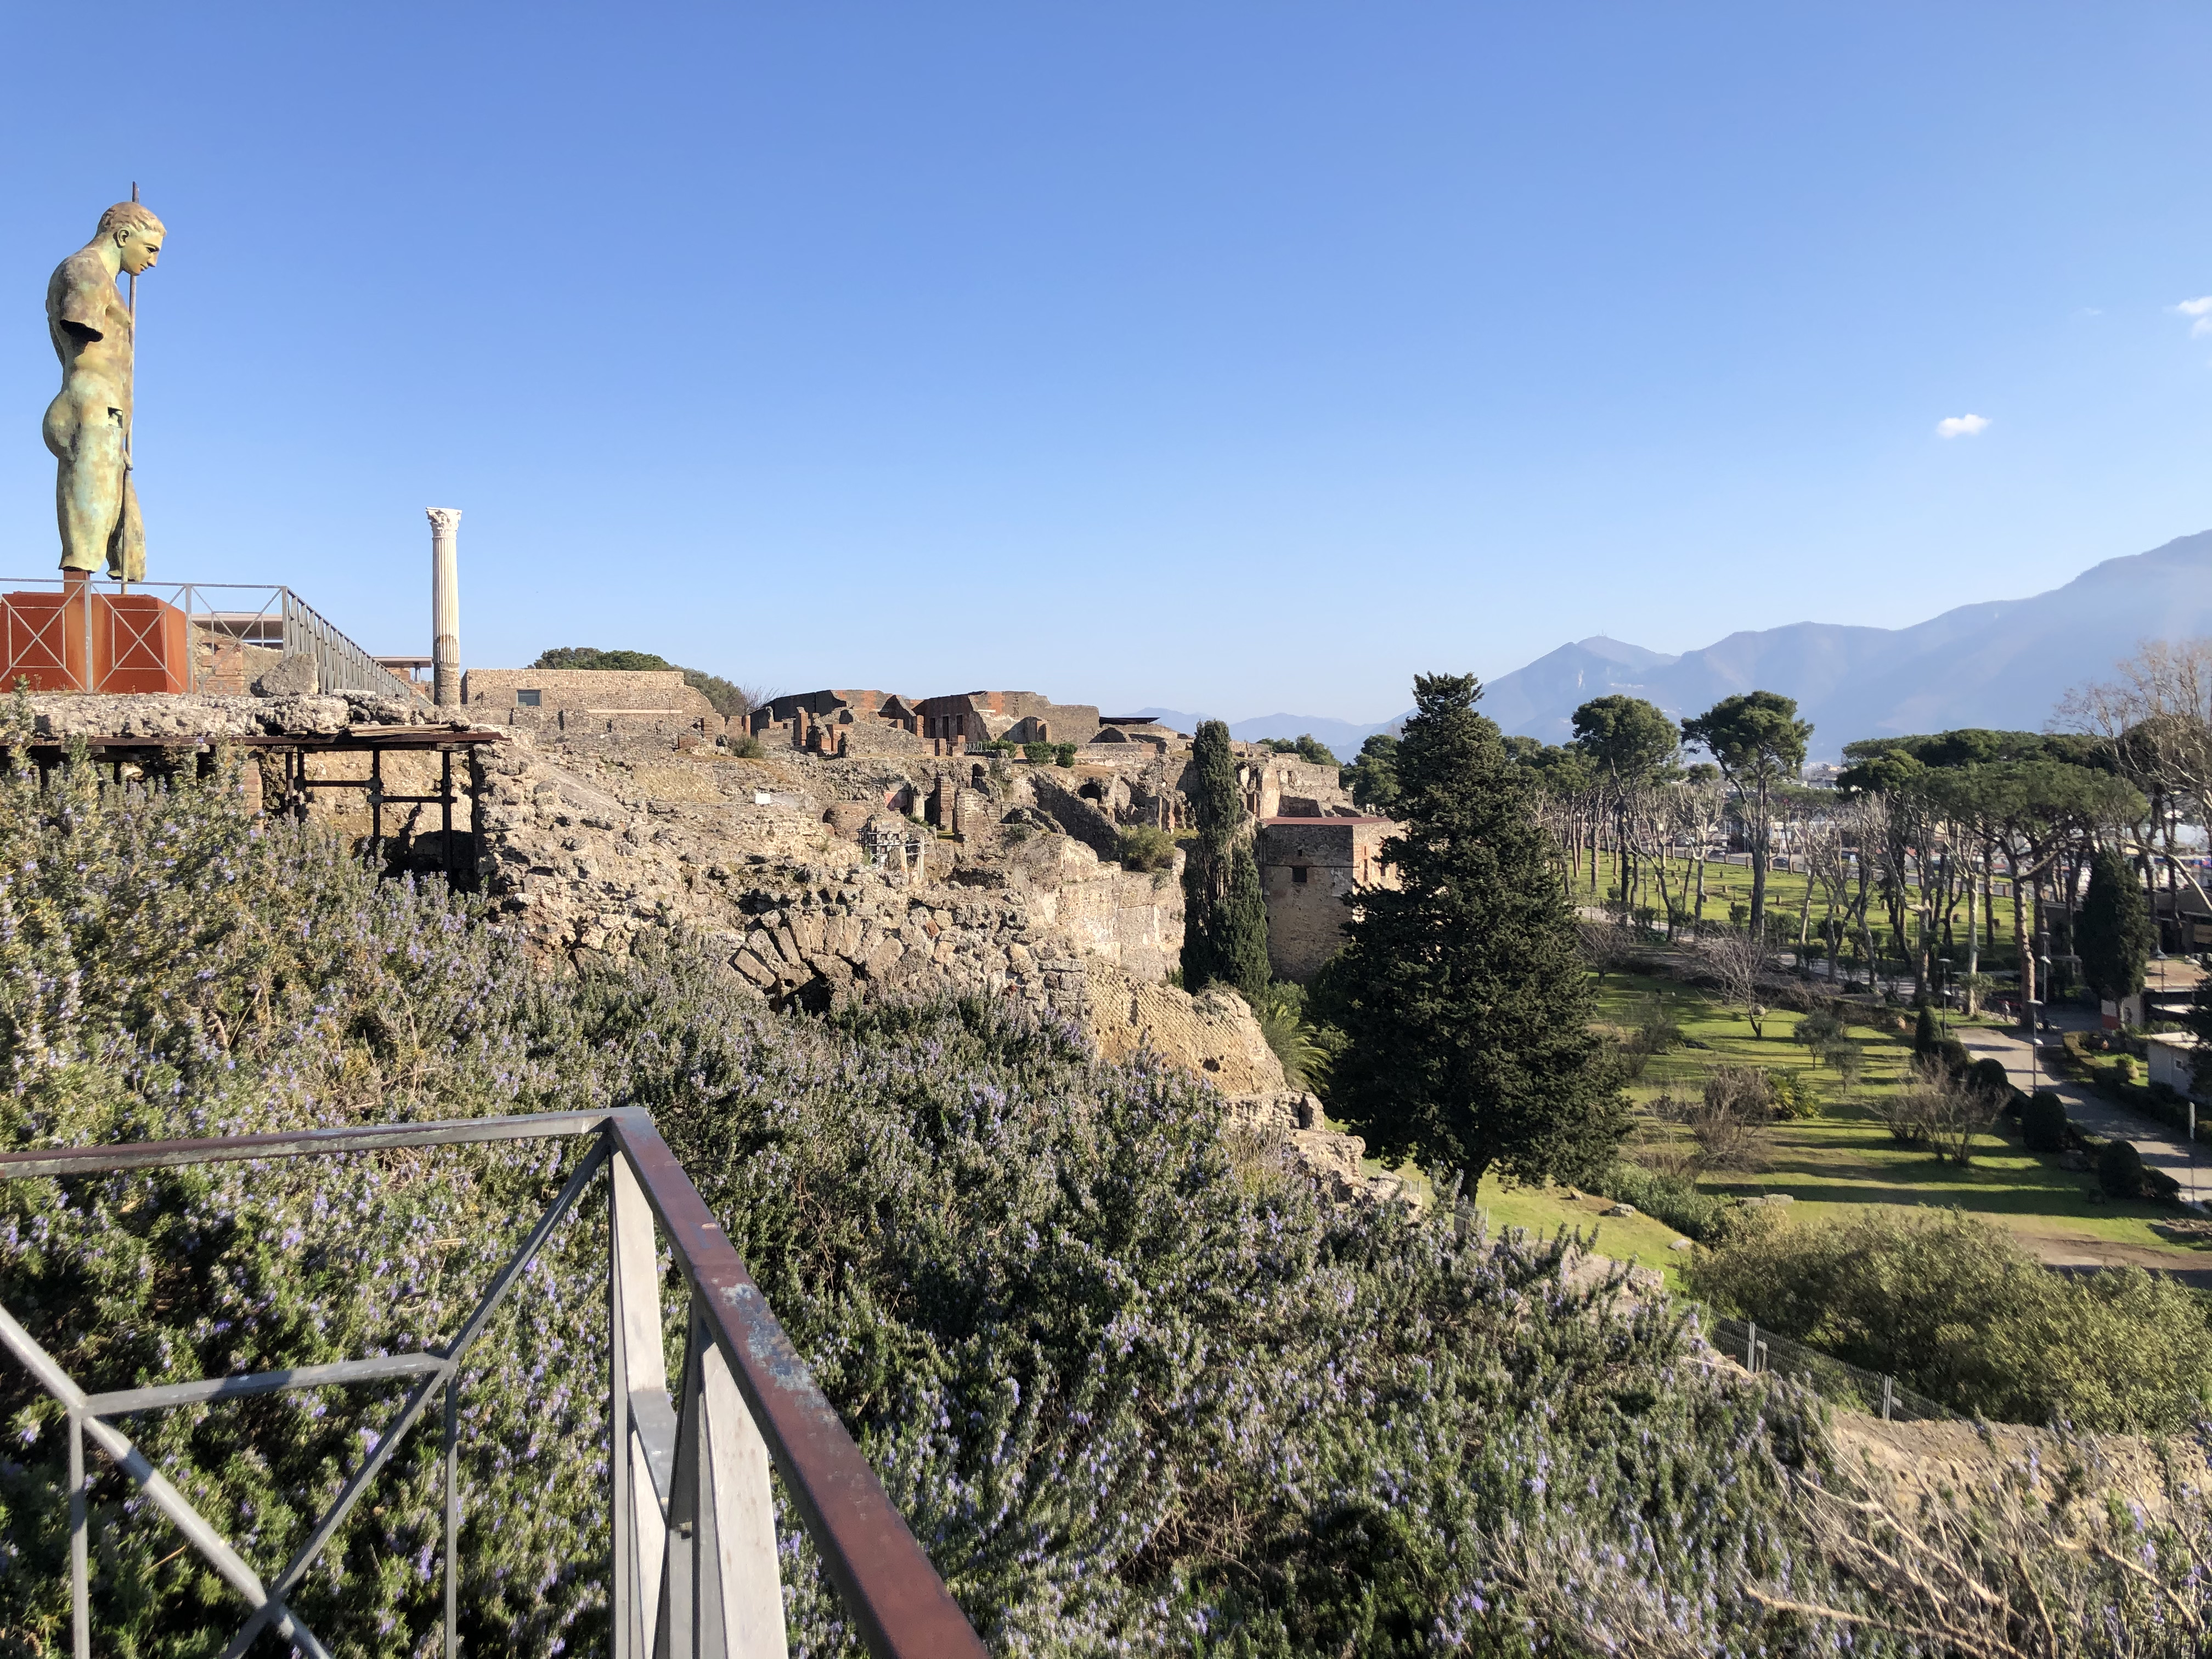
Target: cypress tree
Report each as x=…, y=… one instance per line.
x=2113, y=933
x=1224, y=939
x=1462, y=991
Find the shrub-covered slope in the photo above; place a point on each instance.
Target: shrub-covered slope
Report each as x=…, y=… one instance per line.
x=1133, y=1398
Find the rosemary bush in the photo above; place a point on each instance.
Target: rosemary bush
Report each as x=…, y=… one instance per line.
x=1133, y=1397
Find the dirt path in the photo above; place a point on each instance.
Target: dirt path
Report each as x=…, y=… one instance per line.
x=2074, y=1251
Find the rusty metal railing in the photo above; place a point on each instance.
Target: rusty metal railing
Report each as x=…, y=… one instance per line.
x=695, y=1570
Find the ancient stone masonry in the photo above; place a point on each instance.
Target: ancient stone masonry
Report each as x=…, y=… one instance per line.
x=1290, y=1122
x=857, y=857
x=594, y=704
x=1309, y=865
x=802, y=871
x=1283, y=785
x=856, y=722
x=886, y=785
x=842, y=723
x=1012, y=716
x=1135, y=728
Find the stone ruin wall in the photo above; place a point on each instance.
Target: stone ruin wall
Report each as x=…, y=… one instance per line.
x=1307, y=870
x=806, y=876
x=809, y=874
x=801, y=870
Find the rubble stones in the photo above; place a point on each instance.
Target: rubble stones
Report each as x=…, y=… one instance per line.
x=153, y=715
x=1291, y=1119
x=593, y=853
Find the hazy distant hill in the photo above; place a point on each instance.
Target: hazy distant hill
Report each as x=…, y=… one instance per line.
x=2001, y=664
x=1343, y=737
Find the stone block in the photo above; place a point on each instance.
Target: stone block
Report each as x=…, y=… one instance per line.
x=291, y=676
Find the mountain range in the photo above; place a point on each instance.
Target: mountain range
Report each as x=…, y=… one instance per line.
x=2004, y=663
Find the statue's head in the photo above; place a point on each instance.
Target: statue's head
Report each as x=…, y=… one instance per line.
x=136, y=232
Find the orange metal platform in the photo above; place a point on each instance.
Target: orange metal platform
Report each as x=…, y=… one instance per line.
x=83, y=639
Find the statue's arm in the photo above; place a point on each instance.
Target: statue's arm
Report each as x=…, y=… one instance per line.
x=78, y=296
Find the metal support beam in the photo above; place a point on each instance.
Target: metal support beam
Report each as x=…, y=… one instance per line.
x=80, y=1574
x=298, y=1143
x=383, y=1369
x=453, y=1516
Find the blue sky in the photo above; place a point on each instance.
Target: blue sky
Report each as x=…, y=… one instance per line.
x=1241, y=357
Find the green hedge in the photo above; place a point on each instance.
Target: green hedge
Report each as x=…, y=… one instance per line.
x=1950, y=1305
x=1689, y=1211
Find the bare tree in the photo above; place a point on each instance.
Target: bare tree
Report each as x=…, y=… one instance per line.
x=1828, y=871
x=2163, y=693
x=1741, y=963
x=1732, y=1120
x=1939, y=1109
x=1697, y=807
x=2156, y=716
x=1608, y=946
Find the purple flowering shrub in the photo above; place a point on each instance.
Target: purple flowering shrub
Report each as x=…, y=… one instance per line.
x=1133, y=1396
x=167, y=969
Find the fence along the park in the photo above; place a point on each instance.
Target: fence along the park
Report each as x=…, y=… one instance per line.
x=1835, y=1380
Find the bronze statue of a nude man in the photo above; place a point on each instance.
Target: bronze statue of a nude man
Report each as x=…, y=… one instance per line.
x=88, y=425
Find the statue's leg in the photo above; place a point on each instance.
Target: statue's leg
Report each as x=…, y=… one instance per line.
x=126, y=550
x=89, y=490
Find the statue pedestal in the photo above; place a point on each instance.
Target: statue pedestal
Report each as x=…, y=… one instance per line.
x=83, y=640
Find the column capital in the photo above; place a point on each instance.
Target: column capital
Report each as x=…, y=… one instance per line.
x=445, y=519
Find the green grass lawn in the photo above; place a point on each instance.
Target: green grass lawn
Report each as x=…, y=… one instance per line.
x=1844, y=1158
x=1831, y=1164
x=1544, y=1210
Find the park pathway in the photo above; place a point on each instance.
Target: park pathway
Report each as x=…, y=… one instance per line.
x=2161, y=1148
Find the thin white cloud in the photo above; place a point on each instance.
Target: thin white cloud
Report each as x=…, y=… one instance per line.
x=2199, y=312
x=1960, y=426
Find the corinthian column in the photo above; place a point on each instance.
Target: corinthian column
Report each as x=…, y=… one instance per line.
x=445, y=605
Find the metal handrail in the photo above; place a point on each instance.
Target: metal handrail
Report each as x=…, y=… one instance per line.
x=252, y=613
x=699, y=1472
